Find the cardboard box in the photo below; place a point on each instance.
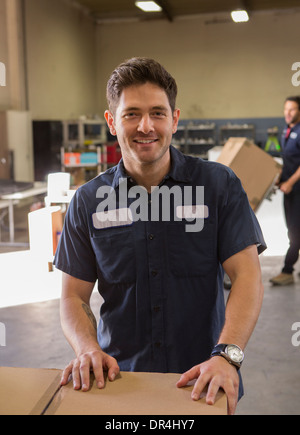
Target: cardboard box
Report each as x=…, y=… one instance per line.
x=37, y=392
x=257, y=170
x=26, y=391
x=45, y=225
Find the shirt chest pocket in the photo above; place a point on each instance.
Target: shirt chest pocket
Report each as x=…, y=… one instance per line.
x=115, y=254
x=191, y=253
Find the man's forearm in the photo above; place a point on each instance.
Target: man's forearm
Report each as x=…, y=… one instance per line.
x=79, y=325
x=245, y=299
x=242, y=311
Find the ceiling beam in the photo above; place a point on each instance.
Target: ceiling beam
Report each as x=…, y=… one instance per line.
x=166, y=9
x=244, y=4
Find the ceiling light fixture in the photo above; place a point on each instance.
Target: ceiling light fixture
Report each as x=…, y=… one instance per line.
x=240, y=16
x=148, y=6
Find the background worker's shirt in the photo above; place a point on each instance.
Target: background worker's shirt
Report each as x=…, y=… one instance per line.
x=291, y=154
x=162, y=286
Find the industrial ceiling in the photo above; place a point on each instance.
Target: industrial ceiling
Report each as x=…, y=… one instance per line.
x=102, y=10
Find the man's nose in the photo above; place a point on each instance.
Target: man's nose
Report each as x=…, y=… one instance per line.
x=145, y=125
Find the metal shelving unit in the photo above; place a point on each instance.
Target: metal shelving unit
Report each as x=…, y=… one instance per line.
x=84, y=145
x=236, y=130
x=196, y=138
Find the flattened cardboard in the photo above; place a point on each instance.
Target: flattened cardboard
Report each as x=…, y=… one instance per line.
x=135, y=394
x=257, y=170
x=38, y=392
x=27, y=391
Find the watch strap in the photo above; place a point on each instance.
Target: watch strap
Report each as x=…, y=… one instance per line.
x=219, y=350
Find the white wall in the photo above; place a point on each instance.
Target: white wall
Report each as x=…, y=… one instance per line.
x=61, y=60
x=223, y=70
x=4, y=90
x=19, y=137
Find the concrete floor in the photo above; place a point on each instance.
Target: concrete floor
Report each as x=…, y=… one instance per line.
x=29, y=310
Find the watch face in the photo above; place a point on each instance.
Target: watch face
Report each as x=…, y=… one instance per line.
x=235, y=353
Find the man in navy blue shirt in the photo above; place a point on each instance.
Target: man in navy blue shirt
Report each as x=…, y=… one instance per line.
x=290, y=186
x=157, y=232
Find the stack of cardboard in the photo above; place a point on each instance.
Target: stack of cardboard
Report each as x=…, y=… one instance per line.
x=257, y=170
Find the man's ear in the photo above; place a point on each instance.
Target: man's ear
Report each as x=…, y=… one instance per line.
x=176, y=116
x=110, y=122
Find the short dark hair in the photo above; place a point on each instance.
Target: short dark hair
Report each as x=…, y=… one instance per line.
x=296, y=99
x=138, y=71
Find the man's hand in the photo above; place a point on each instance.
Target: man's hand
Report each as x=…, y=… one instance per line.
x=216, y=373
x=286, y=187
x=96, y=361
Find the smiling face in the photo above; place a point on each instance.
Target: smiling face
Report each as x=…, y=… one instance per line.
x=291, y=113
x=144, y=124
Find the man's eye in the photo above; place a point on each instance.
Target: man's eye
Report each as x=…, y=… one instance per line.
x=159, y=114
x=130, y=115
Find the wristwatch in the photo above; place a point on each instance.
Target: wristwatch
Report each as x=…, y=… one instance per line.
x=231, y=352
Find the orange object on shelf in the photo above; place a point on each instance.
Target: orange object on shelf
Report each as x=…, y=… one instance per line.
x=72, y=158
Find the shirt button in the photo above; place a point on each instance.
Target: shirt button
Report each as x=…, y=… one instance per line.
x=156, y=309
x=157, y=344
x=151, y=236
x=154, y=273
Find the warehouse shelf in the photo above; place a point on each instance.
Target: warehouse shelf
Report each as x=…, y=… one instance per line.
x=236, y=130
x=84, y=146
x=195, y=138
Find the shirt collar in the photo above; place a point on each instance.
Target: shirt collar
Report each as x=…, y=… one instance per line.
x=120, y=173
x=296, y=126
x=179, y=169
